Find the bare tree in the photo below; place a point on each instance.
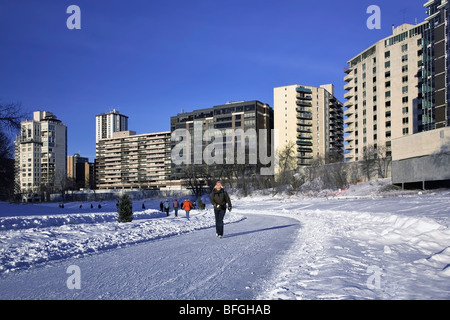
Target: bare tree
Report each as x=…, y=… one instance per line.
x=11, y=115
x=369, y=160
x=286, y=163
x=10, y=118
x=384, y=161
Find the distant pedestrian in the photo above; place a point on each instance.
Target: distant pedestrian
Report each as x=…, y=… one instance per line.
x=166, y=206
x=143, y=206
x=92, y=207
x=219, y=199
x=187, y=206
x=175, y=207
x=99, y=206
x=161, y=206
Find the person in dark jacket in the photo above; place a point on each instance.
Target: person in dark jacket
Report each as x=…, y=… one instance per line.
x=219, y=199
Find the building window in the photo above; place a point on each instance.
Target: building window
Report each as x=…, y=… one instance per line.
x=405, y=89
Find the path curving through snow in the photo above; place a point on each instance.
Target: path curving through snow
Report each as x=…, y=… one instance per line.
x=196, y=265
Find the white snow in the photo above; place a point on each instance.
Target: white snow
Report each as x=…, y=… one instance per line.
x=34, y=239
x=367, y=242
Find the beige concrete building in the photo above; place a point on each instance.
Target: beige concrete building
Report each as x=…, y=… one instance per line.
x=128, y=161
x=422, y=144
x=422, y=159
x=40, y=155
x=382, y=91
x=311, y=118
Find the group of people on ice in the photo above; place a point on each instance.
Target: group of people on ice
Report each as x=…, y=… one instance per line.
x=187, y=206
x=219, y=199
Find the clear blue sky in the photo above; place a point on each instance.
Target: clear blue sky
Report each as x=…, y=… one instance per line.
x=149, y=59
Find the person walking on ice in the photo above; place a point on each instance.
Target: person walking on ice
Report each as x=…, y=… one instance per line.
x=219, y=199
x=175, y=207
x=187, y=206
x=166, y=206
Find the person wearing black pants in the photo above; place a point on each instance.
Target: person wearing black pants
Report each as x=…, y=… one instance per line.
x=219, y=199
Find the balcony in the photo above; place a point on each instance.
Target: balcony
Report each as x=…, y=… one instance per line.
x=304, y=123
x=304, y=143
x=348, y=103
x=350, y=111
x=304, y=115
x=303, y=149
x=304, y=161
x=350, y=119
x=303, y=136
x=349, y=129
x=303, y=97
x=348, y=95
x=348, y=69
x=303, y=90
x=304, y=103
x=304, y=130
x=348, y=78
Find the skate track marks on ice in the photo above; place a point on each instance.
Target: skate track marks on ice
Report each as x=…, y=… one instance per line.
x=196, y=265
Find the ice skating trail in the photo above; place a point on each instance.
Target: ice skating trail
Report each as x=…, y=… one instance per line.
x=195, y=265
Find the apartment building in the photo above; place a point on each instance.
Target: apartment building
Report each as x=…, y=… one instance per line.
x=228, y=119
x=434, y=111
x=311, y=118
x=382, y=92
x=81, y=172
x=127, y=161
x=108, y=123
x=40, y=154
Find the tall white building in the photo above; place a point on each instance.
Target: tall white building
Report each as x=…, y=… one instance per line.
x=311, y=118
x=40, y=154
x=382, y=98
x=108, y=123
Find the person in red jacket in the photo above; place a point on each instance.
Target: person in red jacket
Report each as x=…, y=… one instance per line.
x=187, y=206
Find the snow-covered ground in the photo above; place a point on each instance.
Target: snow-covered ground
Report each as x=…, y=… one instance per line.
x=28, y=238
x=368, y=242
x=364, y=244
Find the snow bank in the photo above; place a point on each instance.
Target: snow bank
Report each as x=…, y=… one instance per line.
x=362, y=249
x=30, y=240
x=26, y=222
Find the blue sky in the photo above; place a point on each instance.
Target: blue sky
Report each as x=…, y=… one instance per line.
x=150, y=59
